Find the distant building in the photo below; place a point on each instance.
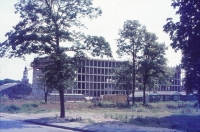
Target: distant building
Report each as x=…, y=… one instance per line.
x=95, y=78
x=17, y=90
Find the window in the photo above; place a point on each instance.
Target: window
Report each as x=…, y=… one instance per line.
x=167, y=97
x=106, y=64
x=83, y=63
x=102, y=63
x=87, y=63
x=109, y=64
x=91, y=63
x=95, y=63
x=176, y=97
x=99, y=71
x=102, y=71
x=113, y=64
x=99, y=63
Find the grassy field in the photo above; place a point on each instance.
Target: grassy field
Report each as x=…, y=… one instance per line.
x=175, y=115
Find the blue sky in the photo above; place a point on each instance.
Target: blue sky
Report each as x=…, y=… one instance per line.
x=151, y=13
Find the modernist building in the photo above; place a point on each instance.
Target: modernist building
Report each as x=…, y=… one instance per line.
x=95, y=78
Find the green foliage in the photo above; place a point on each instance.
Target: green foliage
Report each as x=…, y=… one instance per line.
x=42, y=102
x=9, y=81
x=43, y=26
x=5, y=98
x=20, y=100
x=185, y=37
x=70, y=119
x=124, y=77
x=130, y=43
x=29, y=105
x=12, y=108
x=152, y=64
x=49, y=24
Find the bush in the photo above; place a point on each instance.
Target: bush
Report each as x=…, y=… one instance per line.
x=42, y=102
x=99, y=104
x=28, y=105
x=5, y=98
x=12, y=108
x=121, y=105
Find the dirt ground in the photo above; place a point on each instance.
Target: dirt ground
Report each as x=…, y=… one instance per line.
x=49, y=105
x=75, y=110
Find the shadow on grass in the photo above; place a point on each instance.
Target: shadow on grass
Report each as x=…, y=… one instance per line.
x=69, y=124
x=178, y=122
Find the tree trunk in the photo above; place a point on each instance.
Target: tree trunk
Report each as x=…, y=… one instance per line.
x=144, y=88
x=45, y=97
x=62, y=104
x=133, y=92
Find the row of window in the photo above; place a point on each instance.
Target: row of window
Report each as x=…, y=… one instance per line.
x=95, y=70
x=96, y=78
x=99, y=63
x=97, y=93
x=96, y=86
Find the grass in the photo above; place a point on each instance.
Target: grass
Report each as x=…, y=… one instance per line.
x=12, y=108
x=174, y=115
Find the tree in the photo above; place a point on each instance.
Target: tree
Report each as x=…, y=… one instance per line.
x=60, y=73
x=47, y=23
x=185, y=36
x=130, y=43
x=43, y=85
x=124, y=77
x=152, y=63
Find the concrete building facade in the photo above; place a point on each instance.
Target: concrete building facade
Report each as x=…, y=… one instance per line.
x=95, y=78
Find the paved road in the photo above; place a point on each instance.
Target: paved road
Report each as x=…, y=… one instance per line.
x=7, y=125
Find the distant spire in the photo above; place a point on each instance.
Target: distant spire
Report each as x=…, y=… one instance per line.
x=25, y=79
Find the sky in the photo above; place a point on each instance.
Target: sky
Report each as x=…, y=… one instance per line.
x=151, y=13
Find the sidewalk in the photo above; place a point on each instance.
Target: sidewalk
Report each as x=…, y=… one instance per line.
x=42, y=119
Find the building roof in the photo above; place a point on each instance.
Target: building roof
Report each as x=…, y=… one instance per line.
x=184, y=93
x=168, y=93
x=8, y=85
x=140, y=94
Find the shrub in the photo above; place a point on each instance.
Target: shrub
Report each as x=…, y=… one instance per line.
x=121, y=105
x=12, y=108
x=99, y=104
x=20, y=100
x=5, y=98
x=28, y=105
x=42, y=102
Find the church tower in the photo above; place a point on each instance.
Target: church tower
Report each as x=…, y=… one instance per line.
x=25, y=79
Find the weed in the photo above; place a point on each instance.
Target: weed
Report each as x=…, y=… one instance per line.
x=133, y=109
x=5, y=98
x=56, y=116
x=12, y=108
x=20, y=100
x=40, y=111
x=99, y=104
x=105, y=115
x=126, y=118
x=42, y=102
x=70, y=119
x=68, y=108
x=140, y=109
x=29, y=105
x=51, y=102
x=91, y=121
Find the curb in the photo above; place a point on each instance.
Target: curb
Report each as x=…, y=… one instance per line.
x=62, y=127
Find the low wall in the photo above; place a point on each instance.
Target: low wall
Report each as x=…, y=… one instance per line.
x=115, y=98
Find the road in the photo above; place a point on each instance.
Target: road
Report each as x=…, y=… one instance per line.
x=7, y=125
